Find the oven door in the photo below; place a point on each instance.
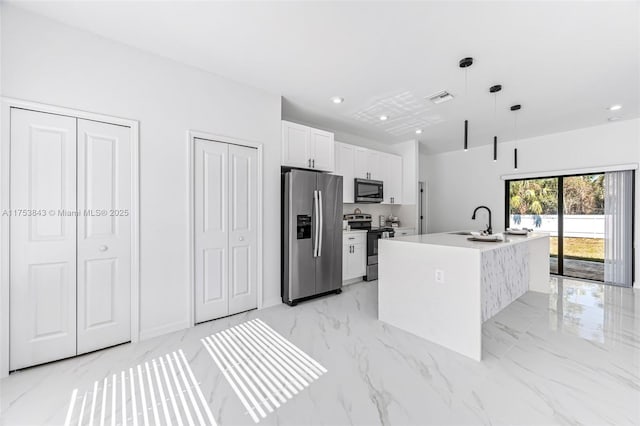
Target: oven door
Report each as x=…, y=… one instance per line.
x=368, y=191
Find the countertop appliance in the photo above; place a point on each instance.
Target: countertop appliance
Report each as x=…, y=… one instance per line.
x=368, y=191
x=363, y=221
x=311, y=235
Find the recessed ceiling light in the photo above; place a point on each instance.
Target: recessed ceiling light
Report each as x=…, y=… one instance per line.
x=337, y=100
x=383, y=118
x=418, y=131
x=615, y=107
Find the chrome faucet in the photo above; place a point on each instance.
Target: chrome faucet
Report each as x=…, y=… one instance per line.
x=489, y=229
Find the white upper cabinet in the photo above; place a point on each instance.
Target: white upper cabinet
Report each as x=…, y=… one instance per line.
x=345, y=161
x=322, y=150
x=391, y=167
x=362, y=163
x=307, y=148
x=295, y=145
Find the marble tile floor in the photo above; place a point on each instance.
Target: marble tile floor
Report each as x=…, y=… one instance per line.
x=571, y=357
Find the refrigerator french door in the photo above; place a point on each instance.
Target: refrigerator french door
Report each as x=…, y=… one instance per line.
x=311, y=235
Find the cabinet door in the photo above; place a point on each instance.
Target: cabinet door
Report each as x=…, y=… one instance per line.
x=345, y=166
x=392, y=177
x=295, y=145
x=359, y=260
x=211, y=230
x=375, y=165
x=346, y=256
x=322, y=150
x=361, y=169
x=104, y=242
x=43, y=247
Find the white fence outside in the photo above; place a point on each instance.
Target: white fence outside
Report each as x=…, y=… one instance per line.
x=579, y=226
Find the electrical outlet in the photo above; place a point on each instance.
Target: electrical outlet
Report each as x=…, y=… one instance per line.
x=439, y=276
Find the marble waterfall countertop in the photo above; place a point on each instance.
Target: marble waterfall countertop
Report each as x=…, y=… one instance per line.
x=442, y=287
x=451, y=239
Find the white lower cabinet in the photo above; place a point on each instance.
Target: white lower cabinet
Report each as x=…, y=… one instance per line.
x=354, y=255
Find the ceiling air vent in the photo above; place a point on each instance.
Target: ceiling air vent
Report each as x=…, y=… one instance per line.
x=441, y=97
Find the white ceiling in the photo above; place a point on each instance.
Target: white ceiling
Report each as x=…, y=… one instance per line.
x=565, y=62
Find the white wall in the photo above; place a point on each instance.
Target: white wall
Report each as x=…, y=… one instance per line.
x=459, y=181
x=44, y=61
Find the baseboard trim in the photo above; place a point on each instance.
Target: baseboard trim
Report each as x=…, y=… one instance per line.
x=271, y=302
x=164, y=329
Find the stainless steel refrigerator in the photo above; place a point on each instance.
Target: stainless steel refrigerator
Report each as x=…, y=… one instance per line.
x=311, y=235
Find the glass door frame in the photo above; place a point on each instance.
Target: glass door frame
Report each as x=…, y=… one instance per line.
x=507, y=215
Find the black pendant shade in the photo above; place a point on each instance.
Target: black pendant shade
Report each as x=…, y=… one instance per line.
x=495, y=148
x=466, y=134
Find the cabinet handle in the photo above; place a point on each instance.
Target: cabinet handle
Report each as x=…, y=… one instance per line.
x=103, y=248
x=313, y=163
x=309, y=161
x=352, y=238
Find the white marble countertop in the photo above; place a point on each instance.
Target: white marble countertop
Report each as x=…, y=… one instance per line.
x=453, y=240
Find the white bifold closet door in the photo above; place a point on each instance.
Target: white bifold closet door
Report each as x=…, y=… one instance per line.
x=104, y=240
x=42, y=323
x=225, y=229
x=70, y=254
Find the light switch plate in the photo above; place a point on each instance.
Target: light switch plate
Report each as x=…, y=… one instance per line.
x=439, y=276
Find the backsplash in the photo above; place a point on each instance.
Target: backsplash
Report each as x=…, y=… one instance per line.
x=374, y=210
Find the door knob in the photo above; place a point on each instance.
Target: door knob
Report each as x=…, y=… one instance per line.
x=103, y=248
x=241, y=238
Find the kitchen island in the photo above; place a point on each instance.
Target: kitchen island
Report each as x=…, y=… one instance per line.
x=442, y=287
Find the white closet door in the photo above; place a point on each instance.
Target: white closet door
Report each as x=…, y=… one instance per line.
x=43, y=247
x=104, y=235
x=211, y=230
x=243, y=224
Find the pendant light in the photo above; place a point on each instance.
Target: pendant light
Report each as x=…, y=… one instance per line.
x=495, y=89
x=465, y=63
x=515, y=109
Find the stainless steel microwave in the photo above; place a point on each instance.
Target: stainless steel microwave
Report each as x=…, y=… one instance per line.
x=368, y=191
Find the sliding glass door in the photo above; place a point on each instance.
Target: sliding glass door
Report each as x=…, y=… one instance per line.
x=533, y=204
x=583, y=226
x=589, y=218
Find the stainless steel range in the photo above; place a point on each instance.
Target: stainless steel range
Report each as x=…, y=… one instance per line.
x=363, y=221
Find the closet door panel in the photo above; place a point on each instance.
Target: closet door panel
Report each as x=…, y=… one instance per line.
x=211, y=230
x=42, y=238
x=243, y=241
x=104, y=235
